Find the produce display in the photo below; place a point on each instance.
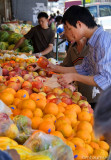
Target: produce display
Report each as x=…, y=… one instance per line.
x=8, y=41
x=45, y=120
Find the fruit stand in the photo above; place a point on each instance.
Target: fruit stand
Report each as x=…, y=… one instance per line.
x=41, y=119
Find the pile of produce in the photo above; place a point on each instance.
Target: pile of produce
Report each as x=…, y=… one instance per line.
x=58, y=111
x=17, y=28
x=8, y=41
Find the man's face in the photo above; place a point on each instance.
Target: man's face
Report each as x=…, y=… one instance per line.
x=68, y=34
x=76, y=32
x=43, y=22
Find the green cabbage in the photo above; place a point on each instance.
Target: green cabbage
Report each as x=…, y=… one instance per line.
x=3, y=45
x=27, y=49
x=4, y=36
x=14, y=37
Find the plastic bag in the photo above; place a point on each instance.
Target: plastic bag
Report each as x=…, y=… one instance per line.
x=23, y=124
x=49, y=145
x=0, y=71
x=5, y=109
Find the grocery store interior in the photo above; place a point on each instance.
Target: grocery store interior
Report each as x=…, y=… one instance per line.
x=55, y=79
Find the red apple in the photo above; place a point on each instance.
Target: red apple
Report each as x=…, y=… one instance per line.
x=14, y=65
x=30, y=68
x=76, y=96
x=37, y=85
x=58, y=91
x=66, y=100
x=55, y=100
x=14, y=85
x=12, y=73
x=50, y=96
x=46, y=89
x=18, y=70
x=42, y=62
x=26, y=84
x=24, y=72
x=35, y=74
x=64, y=95
x=83, y=103
x=27, y=77
x=5, y=72
x=68, y=91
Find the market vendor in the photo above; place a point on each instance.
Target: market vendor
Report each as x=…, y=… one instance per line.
x=42, y=37
x=95, y=69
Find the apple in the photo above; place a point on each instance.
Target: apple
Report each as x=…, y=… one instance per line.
x=23, y=64
x=68, y=91
x=27, y=77
x=57, y=90
x=76, y=96
x=39, y=78
x=2, y=79
x=10, y=68
x=48, y=74
x=35, y=74
x=18, y=70
x=46, y=89
x=30, y=68
x=50, y=96
x=83, y=103
x=26, y=84
x=7, y=78
x=12, y=73
x=55, y=100
x=24, y=72
x=14, y=65
x=2, y=87
x=29, y=90
x=42, y=73
x=42, y=62
x=14, y=85
x=37, y=85
x=5, y=72
x=64, y=95
x=66, y=100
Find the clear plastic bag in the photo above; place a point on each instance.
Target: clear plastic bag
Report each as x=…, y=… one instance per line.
x=49, y=145
x=23, y=124
x=5, y=109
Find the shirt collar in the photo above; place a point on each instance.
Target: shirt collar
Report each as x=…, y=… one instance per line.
x=92, y=41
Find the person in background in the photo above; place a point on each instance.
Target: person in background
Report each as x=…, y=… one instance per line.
x=95, y=69
x=59, y=25
x=42, y=37
x=52, y=23
x=102, y=116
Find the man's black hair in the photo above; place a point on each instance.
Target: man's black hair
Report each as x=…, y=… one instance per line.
x=58, y=19
x=77, y=13
x=42, y=14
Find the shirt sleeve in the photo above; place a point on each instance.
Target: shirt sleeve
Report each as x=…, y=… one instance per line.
x=30, y=34
x=4, y=156
x=103, y=78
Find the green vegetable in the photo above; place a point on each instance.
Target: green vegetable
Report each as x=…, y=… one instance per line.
x=4, y=36
x=27, y=49
x=14, y=37
x=3, y=45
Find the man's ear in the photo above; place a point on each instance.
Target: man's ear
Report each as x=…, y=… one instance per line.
x=79, y=24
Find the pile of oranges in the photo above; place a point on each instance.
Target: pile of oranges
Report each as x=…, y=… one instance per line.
x=74, y=125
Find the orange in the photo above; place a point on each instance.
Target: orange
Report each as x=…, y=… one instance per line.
x=29, y=104
x=19, y=105
x=74, y=107
x=70, y=110
x=70, y=144
x=62, y=104
x=89, y=149
x=37, y=131
x=101, y=154
x=60, y=122
x=22, y=94
x=84, y=116
x=51, y=108
x=65, y=129
x=72, y=119
x=39, y=99
x=36, y=121
x=78, y=142
x=58, y=134
x=84, y=125
x=84, y=135
x=59, y=115
x=103, y=145
x=10, y=90
x=93, y=138
x=7, y=98
x=61, y=109
x=38, y=112
x=72, y=135
x=94, y=145
x=27, y=112
x=16, y=101
x=79, y=154
x=50, y=117
x=65, y=119
x=47, y=126
x=16, y=111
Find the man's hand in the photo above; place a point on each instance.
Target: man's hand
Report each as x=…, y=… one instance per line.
x=51, y=67
x=65, y=79
x=13, y=153
x=35, y=66
x=38, y=55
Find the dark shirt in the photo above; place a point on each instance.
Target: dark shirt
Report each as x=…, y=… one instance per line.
x=41, y=38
